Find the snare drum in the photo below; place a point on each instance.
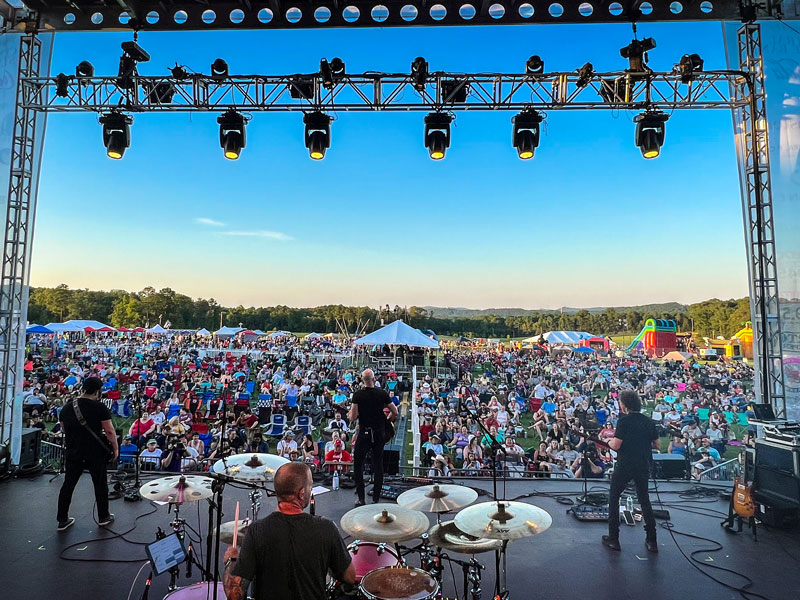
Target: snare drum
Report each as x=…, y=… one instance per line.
x=398, y=583
x=368, y=556
x=197, y=591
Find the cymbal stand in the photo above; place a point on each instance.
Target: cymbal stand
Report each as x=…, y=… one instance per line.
x=178, y=526
x=472, y=573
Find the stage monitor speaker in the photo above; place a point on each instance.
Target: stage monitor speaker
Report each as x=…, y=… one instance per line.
x=29, y=448
x=668, y=466
x=391, y=462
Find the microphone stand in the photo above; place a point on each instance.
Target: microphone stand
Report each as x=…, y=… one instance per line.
x=497, y=448
x=220, y=488
x=134, y=495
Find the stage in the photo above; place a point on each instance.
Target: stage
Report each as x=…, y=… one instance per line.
x=566, y=561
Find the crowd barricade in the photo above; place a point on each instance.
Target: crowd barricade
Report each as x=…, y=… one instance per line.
x=51, y=456
x=724, y=471
x=484, y=473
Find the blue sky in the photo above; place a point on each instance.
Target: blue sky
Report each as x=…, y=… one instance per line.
x=587, y=222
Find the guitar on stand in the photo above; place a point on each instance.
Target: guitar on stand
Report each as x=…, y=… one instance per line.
x=742, y=506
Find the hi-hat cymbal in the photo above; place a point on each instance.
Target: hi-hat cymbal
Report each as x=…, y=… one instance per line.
x=226, y=531
x=384, y=523
x=503, y=520
x=250, y=467
x=449, y=537
x=178, y=489
x=437, y=498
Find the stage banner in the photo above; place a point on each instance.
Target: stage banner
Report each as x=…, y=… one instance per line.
x=781, y=49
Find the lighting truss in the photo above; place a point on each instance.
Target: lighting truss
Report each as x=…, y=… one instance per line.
x=392, y=92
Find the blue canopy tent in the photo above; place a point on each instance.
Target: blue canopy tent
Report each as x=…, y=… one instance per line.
x=584, y=350
x=38, y=329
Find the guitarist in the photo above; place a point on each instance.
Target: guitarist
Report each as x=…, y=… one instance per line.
x=90, y=442
x=367, y=407
x=633, y=441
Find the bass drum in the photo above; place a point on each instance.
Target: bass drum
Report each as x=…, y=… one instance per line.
x=197, y=591
x=366, y=556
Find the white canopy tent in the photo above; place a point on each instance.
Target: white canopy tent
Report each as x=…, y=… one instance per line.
x=202, y=331
x=567, y=337
x=228, y=331
x=397, y=333
x=157, y=329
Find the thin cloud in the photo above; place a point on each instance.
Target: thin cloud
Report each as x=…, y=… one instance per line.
x=271, y=235
x=207, y=221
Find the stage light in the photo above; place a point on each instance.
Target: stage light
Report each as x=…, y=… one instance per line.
x=116, y=133
x=454, y=90
x=636, y=53
x=219, y=69
x=650, y=132
x=585, y=74
x=62, y=85
x=331, y=72
x=534, y=65
x=419, y=73
x=132, y=55
x=688, y=66
x=232, y=136
x=301, y=88
x=437, y=134
x=526, y=133
x=84, y=69
x=318, y=134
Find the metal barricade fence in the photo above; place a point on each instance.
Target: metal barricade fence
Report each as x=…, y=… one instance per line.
x=725, y=471
x=51, y=456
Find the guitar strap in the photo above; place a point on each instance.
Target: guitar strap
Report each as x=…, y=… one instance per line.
x=82, y=421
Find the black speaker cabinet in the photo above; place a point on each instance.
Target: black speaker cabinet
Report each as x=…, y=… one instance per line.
x=668, y=466
x=29, y=449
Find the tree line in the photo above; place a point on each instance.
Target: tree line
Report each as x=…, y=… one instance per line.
x=121, y=308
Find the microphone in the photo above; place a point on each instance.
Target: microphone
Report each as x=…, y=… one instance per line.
x=189, y=562
x=313, y=506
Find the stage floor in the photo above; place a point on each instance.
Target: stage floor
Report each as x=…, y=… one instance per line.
x=566, y=561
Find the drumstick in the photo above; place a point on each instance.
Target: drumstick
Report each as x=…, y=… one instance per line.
x=236, y=524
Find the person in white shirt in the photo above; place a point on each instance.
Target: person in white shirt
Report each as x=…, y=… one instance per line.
x=158, y=418
x=150, y=457
x=286, y=445
x=189, y=462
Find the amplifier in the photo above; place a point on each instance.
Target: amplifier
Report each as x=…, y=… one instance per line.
x=29, y=449
x=778, y=456
x=668, y=466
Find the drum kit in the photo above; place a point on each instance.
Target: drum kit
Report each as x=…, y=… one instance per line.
x=381, y=570
x=252, y=470
x=379, y=559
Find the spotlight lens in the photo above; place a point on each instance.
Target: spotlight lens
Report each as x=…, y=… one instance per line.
x=651, y=153
x=231, y=155
x=437, y=155
x=526, y=154
x=115, y=154
x=317, y=155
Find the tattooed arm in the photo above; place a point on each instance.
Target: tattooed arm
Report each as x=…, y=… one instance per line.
x=235, y=587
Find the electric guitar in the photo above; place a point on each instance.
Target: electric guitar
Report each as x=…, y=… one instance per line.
x=743, y=498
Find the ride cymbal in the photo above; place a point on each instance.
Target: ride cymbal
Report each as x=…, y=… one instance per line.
x=178, y=489
x=449, y=537
x=250, y=467
x=437, y=498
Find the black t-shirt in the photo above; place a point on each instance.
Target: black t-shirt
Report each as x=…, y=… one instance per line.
x=76, y=437
x=370, y=403
x=637, y=433
x=288, y=556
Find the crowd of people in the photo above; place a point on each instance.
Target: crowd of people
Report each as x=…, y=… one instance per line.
x=528, y=412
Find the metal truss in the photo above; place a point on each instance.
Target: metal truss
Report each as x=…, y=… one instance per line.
x=184, y=15
x=17, y=242
x=758, y=223
x=387, y=92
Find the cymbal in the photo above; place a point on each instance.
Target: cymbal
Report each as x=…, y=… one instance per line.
x=226, y=531
x=250, y=467
x=437, y=498
x=451, y=538
x=503, y=520
x=384, y=523
x=178, y=489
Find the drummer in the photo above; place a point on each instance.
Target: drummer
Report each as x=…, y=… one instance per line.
x=289, y=553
